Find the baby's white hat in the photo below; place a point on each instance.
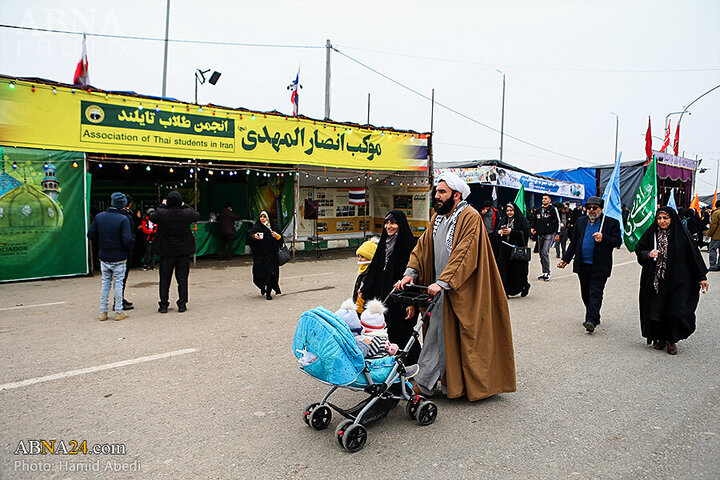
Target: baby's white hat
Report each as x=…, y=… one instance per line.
x=373, y=317
x=348, y=313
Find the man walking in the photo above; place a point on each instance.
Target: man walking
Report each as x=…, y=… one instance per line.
x=714, y=234
x=546, y=225
x=132, y=218
x=227, y=231
x=594, y=238
x=175, y=244
x=110, y=231
x=468, y=342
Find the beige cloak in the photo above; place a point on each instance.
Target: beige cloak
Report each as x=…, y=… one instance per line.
x=478, y=339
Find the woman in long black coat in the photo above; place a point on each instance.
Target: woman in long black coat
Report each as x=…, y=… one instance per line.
x=516, y=232
x=265, y=242
x=387, y=267
x=673, y=272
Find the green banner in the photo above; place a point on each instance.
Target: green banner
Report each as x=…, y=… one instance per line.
x=42, y=214
x=643, y=209
x=274, y=195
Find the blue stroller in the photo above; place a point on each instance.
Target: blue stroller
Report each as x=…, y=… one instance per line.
x=326, y=350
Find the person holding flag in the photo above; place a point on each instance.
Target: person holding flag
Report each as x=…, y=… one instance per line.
x=673, y=274
x=593, y=240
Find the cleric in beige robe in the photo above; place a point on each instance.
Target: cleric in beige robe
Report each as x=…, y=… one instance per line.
x=467, y=342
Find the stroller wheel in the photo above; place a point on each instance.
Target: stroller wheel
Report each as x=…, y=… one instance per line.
x=411, y=407
x=426, y=413
x=354, y=438
x=308, y=410
x=320, y=417
x=340, y=431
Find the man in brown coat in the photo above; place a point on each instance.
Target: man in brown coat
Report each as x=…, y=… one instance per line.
x=714, y=234
x=468, y=341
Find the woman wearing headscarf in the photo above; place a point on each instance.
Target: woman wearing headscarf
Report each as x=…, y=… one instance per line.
x=387, y=267
x=265, y=242
x=515, y=230
x=673, y=272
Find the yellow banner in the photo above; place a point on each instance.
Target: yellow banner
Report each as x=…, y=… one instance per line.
x=38, y=115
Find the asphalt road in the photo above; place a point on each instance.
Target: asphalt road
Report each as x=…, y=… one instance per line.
x=216, y=392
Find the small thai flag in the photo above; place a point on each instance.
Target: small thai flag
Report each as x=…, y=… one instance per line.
x=294, y=88
x=357, y=196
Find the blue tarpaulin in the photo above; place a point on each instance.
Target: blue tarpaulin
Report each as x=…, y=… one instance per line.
x=583, y=175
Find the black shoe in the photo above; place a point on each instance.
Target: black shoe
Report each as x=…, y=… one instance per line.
x=127, y=304
x=262, y=291
x=525, y=290
x=268, y=296
x=589, y=327
x=541, y=277
x=182, y=308
x=277, y=291
x=546, y=277
x=162, y=309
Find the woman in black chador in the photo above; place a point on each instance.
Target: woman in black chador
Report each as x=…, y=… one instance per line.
x=673, y=272
x=516, y=232
x=265, y=242
x=387, y=267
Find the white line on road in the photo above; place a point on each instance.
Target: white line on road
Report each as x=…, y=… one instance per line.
x=98, y=368
x=29, y=306
x=309, y=275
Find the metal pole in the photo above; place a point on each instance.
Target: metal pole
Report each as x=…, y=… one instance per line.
x=430, y=152
x=167, y=31
x=196, y=88
x=195, y=202
x=617, y=125
x=328, y=47
x=296, y=201
x=502, y=118
x=368, y=121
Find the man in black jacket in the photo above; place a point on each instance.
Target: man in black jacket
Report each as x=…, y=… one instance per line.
x=546, y=225
x=592, y=243
x=175, y=243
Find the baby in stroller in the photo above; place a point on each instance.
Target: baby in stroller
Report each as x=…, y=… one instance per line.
x=329, y=351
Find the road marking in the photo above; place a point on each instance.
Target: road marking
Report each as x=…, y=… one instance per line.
x=309, y=275
x=30, y=306
x=98, y=368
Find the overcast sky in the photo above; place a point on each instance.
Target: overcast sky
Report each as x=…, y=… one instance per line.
x=568, y=65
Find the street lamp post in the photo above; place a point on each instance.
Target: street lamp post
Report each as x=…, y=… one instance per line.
x=200, y=77
x=502, y=118
x=617, y=125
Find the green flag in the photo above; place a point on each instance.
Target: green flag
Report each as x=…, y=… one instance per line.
x=642, y=214
x=520, y=198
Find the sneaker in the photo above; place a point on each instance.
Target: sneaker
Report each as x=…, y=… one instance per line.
x=411, y=371
x=145, y=268
x=103, y=316
x=120, y=316
x=541, y=277
x=589, y=327
x=546, y=277
x=162, y=309
x=525, y=290
x=182, y=308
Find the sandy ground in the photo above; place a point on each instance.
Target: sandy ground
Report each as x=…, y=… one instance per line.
x=216, y=392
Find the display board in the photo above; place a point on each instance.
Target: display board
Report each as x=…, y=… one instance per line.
x=42, y=214
x=337, y=216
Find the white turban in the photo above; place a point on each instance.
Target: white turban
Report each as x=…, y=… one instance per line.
x=456, y=183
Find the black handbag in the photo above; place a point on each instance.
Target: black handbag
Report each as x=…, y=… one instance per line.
x=284, y=255
x=517, y=253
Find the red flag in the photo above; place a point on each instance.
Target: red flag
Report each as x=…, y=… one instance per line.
x=666, y=142
x=676, y=143
x=295, y=93
x=648, y=143
x=82, y=76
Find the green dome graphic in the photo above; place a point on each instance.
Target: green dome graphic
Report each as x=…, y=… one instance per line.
x=28, y=207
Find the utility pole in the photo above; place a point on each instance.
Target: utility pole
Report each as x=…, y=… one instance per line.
x=368, y=122
x=502, y=118
x=167, y=31
x=328, y=47
x=617, y=125
x=430, y=152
